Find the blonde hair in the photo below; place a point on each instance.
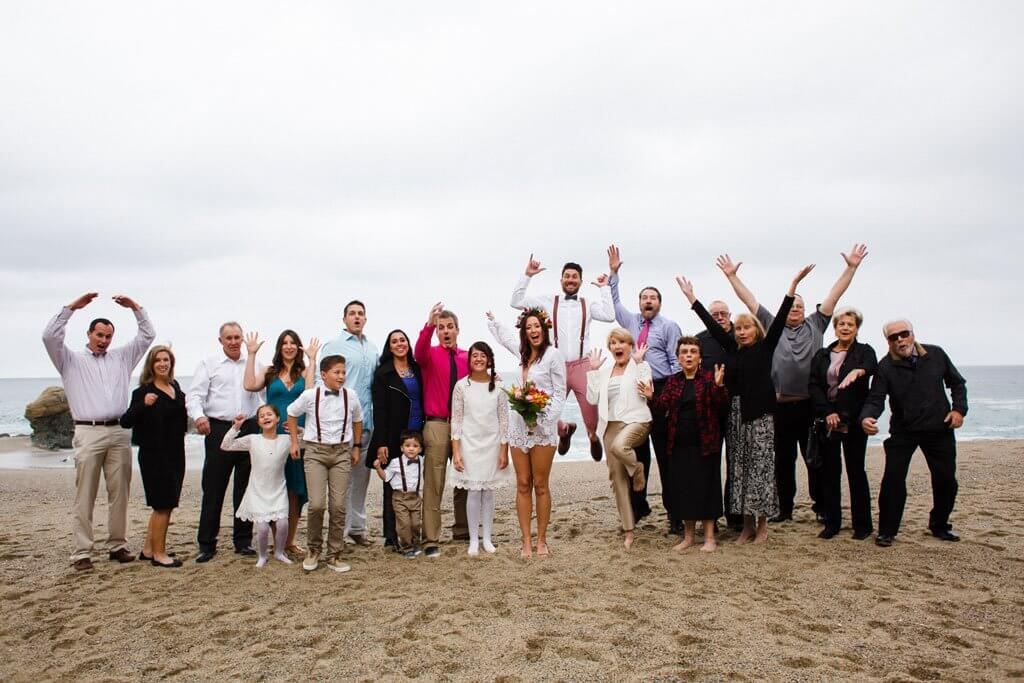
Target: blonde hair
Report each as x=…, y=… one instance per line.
x=848, y=311
x=744, y=318
x=620, y=334
x=148, y=375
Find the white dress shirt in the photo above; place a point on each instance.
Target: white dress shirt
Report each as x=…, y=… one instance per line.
x=393, y=473
x=218, y=392
x=337, y=427
x=96, y=384
x=569, y=315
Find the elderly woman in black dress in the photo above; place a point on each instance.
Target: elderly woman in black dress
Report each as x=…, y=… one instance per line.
x=692, y=400
x=157, y=418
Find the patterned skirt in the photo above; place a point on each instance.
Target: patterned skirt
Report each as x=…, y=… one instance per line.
x=750, y=447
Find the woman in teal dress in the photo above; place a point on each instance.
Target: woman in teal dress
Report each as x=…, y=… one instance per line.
x=284, y=380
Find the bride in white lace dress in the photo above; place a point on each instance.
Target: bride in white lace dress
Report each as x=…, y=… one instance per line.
x=533, y=449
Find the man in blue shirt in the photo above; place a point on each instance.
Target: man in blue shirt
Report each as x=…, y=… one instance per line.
x=361, y=359
x=660, y=335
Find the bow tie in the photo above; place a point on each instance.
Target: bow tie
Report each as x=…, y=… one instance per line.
x=572, y=297
x=335, y=392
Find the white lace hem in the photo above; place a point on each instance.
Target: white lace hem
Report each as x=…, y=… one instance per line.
x=474, y=485
x=270, y=516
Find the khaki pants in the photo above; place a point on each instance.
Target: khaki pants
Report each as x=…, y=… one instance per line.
x=327, y=468
x=437, y=438
x=106, y=450
x=619, y=440
x=408, y=513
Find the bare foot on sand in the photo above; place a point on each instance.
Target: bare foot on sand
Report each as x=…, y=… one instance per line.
x=744, y=536
x=542, y=548
x=527, y=551
x=709, y=546
x=686, y=543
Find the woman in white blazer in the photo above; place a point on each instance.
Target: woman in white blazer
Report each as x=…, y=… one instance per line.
x=623, y=417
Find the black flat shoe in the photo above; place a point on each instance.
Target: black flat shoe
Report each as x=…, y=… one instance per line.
x=828, y=532
x=205, y=556
x=883, y=540
x=595, y=451
x=247, y=552
x=174, y=563
x=779, y=518
x=146, y=558
x=861, y=535
x=945, y=535
x=820, y=518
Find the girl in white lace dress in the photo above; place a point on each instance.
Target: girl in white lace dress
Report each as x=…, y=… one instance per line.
x=533, y=449
x=266, y=496
x=480, y=442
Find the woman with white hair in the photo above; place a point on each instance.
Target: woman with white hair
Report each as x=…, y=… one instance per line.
x=838, y=386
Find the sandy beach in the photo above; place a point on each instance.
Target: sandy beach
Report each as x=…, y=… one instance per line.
x=797, y=609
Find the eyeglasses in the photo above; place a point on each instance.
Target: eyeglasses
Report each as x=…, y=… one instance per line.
x=896, y=336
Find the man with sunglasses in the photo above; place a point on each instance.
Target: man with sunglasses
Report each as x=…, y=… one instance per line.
x=915, y=378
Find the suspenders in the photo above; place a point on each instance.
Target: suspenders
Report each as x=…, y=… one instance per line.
x=344, y=419
x=583, y=321
x=401, y=466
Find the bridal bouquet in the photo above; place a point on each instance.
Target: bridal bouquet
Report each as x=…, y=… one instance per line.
x=529, y=401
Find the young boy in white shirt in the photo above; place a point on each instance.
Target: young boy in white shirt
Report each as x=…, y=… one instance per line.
x=403, y=473
x=334, y=428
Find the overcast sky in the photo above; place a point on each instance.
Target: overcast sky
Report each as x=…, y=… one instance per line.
x=267, y=162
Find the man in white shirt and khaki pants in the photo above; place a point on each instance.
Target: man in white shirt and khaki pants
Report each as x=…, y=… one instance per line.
x=571, y=315
x=96, y=383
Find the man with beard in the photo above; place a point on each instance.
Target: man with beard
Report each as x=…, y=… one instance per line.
x=571, y=315
x=659, y=335
x=915, y=377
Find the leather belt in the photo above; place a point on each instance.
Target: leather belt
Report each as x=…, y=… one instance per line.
x=98, y=423
x=433, y=418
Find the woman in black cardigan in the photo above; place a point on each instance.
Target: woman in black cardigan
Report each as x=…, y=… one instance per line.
x=397, y=392
x=750, y=434
x=838, y=387
x=157, y=418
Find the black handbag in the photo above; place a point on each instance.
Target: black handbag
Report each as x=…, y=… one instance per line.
x=816, y=436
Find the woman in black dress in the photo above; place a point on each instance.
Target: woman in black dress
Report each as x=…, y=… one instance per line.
x=397, y=406
x=838, y=387
x=158, y=422
x=692, y=400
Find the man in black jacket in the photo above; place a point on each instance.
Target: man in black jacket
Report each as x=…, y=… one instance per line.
x=915, y=377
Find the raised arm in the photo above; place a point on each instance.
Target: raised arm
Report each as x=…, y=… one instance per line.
x=312, y=351
x=421, y=352
x=731, y=270
x=53, y=333
x=602, y=308
x=714, y=329
x=503, y=334
x=519, y=299
x=251, y=381
x=596, y=358
x=623, y=315
x=853, y=261
x=136, y=348
x=774, y=332
x=233, y=442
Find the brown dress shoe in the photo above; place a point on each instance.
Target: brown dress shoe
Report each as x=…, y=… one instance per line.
x=82, y=565
x=360, y=539
x=122, y=555
x=565, y=440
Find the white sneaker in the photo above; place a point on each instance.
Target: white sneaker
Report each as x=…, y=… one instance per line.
x=311, y=562
x=337, y=565
x=282, y=558
x=473, y=551
x=489, y=547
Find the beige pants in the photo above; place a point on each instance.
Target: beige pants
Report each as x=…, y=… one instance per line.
x=327, y=468
x=106, y=450
x=619, y=440
x=408, y=515
x=438, y=442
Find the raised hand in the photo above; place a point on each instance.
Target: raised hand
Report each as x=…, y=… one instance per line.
x=646, y=389
x=533, y=267
x=725, y=264
x=127, y=302
x=149, y=399
x=686, y=287
x=601, y=281
x=82, y=301
x=804, y=272
x=856, y=255
x=719, y=374
x=237, y=424
x=614, y=261
x=312, y=349
x=596, y=358
x=490, y=316
x=435, y=311
x=253, y=343
x=639, y=352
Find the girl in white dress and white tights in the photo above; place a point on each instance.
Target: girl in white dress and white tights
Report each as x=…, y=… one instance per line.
x=480, y=442
x=533, y=450
x=266, y=496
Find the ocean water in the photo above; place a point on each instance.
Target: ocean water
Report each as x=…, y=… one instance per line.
x=995, y=396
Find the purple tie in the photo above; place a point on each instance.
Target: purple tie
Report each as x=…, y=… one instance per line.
x=645, y=328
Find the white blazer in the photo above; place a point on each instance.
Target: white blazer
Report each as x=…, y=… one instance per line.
x=632, y=406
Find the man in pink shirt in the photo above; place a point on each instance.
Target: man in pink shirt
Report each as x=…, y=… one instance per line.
x=442, y=366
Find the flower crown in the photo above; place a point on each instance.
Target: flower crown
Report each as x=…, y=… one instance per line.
x=539, y=313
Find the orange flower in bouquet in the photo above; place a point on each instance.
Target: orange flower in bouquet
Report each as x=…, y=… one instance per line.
x=529, y=401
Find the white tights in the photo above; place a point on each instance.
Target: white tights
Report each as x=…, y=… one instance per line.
x=480, y=512
x=280, y=538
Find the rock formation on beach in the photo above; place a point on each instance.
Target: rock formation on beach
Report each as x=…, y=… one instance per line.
x=50, y=417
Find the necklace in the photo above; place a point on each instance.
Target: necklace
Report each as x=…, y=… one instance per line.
x=406, y=373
